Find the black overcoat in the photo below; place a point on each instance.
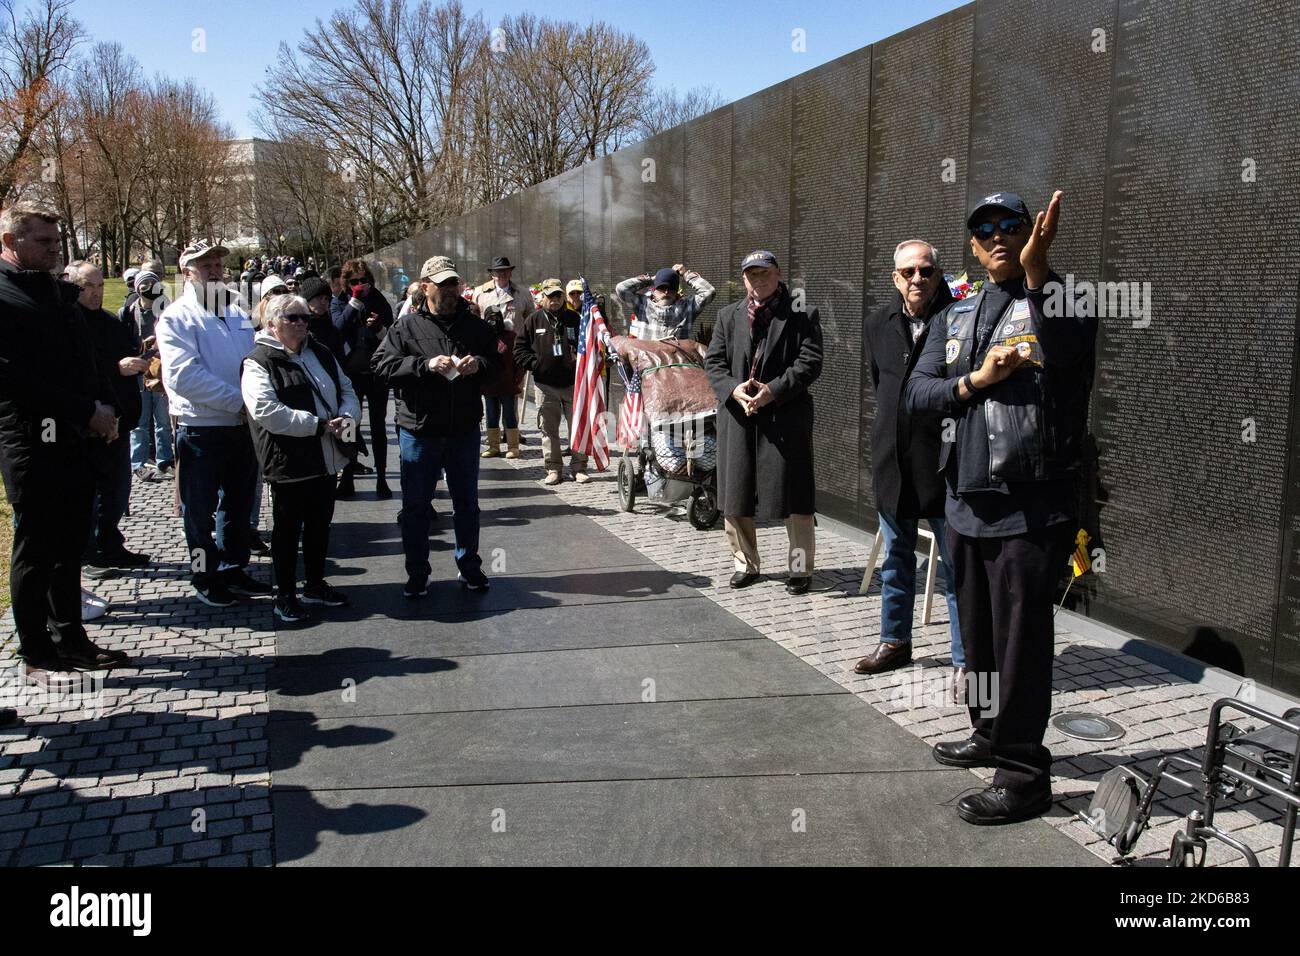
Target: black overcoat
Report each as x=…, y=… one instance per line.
x=904, y=445
x=765, y=461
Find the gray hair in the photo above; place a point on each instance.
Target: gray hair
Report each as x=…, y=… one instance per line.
x=17, y=218
x=277, y=307
x=76, y=271
x=934, y=253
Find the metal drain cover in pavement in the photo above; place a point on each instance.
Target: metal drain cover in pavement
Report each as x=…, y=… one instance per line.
x=1087, y=726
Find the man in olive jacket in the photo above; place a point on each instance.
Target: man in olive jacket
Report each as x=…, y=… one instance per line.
x=765, y=355
x=436, y=357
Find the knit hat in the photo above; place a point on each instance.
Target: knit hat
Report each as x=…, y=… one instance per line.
x=313, y=286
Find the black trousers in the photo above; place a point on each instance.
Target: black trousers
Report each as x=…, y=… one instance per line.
x=51, y=528
x=300, y=509
x=1005, y=598
x=372, y=392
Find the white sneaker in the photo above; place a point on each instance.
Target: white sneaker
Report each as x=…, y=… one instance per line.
x=91, y=611
x=90, y=597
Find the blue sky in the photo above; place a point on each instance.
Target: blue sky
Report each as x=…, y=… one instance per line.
x=735, y=47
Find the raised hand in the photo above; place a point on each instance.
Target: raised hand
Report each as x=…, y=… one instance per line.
x=1034, y=255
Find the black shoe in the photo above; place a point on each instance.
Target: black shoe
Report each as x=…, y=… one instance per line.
x=382, y=490
x=346, y=489
x=166, y=469
x=8, y=717
x=124, y=560
x=415, y=587
x=474, y=579
x=998, y=805
x=215, y=594
x=257, y=545
x=322, y=593
x=743, y=579
x=86, y=655
x=971, y=752
x=360, y=469
x=288, y=609
x=798, y=585
x=100, y=569
x=239, y=582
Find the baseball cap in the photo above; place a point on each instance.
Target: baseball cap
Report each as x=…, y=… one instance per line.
x=438, y=269
x=1008, y=201
x=551, y=285
x=271, y=283
x=575, y=285
x=667, y=277
x=199, y=248
x=758, y=258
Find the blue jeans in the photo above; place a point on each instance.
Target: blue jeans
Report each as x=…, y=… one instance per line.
x=898, y=581
x=154, y=429
x=501, y=408
x=217, y=471
x=423, y=460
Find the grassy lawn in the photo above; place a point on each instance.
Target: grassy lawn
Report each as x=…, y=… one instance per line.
x=114, y=294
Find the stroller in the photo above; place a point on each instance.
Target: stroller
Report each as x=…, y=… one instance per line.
x=674, y=456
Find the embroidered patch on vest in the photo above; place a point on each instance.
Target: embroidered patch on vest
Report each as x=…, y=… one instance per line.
x=952, y=350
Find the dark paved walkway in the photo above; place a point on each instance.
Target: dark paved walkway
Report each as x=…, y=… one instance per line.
x=592, y=708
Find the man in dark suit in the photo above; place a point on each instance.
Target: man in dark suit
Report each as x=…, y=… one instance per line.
x=765, y=355
x=905, y=457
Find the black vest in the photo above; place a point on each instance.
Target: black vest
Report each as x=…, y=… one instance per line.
x=288, y=457
x=1036, y=418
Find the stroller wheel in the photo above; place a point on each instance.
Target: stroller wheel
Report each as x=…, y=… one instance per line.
x=702, y=512
x=626, y=484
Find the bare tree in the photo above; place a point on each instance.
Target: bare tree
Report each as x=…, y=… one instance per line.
x=389, y=78
x=607, y=76
x=666, y=109
x=34, y=51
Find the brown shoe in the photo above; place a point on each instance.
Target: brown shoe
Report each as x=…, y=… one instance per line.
x=886, y=657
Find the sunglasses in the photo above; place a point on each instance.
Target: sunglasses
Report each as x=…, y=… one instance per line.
x=908, y=271
x=1008, y=227
x=296, y=318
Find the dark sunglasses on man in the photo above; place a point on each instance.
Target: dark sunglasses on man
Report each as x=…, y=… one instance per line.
x=1008, y=227
x=908, y=271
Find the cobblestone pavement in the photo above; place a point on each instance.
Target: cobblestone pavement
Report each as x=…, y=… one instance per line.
x=163, y=762
x=834, y=627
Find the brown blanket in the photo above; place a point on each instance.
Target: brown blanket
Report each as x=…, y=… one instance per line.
x=674, y=385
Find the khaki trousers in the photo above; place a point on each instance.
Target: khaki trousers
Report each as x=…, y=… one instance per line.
x=743, y=539
x=552, y=405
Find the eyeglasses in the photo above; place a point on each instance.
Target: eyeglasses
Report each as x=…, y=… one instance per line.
x=1008, y=227
x=908, y=271
x=296, y=317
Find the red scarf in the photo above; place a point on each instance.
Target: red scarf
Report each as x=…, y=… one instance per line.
x=761, y=314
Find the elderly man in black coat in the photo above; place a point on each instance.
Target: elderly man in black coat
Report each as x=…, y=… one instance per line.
x=765, y=355
x=905, y=457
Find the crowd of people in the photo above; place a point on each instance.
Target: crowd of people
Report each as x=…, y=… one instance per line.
x=262, y=379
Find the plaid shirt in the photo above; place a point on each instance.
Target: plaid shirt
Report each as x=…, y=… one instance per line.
x=655, y=322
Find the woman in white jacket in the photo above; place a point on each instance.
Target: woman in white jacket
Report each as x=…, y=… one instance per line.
x=302, y=411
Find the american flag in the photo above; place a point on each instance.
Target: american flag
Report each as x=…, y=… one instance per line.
x=629, y=413
x=588, y=394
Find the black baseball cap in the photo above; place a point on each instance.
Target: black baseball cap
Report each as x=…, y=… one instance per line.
x=759, y=257
x=1008, y=201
